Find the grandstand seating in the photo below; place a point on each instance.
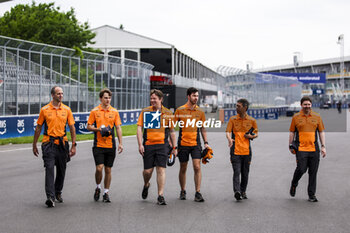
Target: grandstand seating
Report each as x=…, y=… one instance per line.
x=18, y=78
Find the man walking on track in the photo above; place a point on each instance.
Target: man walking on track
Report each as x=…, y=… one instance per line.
x=156, y=123
x=241, y=129
x=55, y=148
x=189, y=141
x=303, y=142
x=102, y=121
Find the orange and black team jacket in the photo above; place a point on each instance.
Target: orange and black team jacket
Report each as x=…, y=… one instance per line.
x=239, y=127
x=305, y=128
x=55, y=121
x=189, y=135
x=110, y=117
x=157, y=136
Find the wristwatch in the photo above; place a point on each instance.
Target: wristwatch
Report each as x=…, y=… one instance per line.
x=206, y=143
x=175, y=148
x=74, y=144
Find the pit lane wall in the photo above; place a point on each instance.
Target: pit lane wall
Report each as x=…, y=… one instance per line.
x=19, y=126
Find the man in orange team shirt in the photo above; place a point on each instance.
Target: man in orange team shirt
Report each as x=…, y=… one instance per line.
x=102, y=121
x=303, y=141
x=155, y=121
x=189, y=142
x=55, y=148
x=241, y=129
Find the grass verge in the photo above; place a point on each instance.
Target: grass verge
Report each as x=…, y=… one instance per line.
x=128, y=130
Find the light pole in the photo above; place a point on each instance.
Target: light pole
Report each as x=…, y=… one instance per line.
x=341, y=43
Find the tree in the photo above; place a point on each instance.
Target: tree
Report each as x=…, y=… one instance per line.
x=45, y=23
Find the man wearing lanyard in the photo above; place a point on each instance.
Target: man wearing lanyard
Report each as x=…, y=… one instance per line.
x=55, y=148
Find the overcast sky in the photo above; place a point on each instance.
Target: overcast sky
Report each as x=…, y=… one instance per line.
x=226, y=32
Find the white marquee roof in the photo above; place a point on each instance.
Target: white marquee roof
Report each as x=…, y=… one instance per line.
x=327, y=61
x=108, y=37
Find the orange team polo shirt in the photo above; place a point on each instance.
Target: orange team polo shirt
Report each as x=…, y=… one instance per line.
x=157, y=136
x=306, y=128
x=189, y=135
x=238, y=127
x=55, y=121
x=109, y=117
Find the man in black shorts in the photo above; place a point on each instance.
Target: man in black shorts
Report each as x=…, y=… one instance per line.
x=153, y=142
x=189, y=141
x=102, y=121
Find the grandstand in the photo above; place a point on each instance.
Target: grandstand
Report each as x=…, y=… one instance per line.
x=28, y=70
x=23, y=81
x=261, y=90
x=330, y=90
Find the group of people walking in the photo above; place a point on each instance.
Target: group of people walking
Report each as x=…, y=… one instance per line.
x=156, y=143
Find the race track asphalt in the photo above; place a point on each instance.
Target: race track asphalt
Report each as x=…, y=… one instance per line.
x=269, y=208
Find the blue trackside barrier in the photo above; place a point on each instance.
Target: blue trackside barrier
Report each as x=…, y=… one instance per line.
x=264, y=113
x=18, y=126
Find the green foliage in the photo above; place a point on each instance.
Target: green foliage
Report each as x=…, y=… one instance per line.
x=78, y=52
x=92, y=50
x=45, y=23
x=128, y=130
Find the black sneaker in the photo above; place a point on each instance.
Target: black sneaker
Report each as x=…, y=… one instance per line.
x=106, y=198
x=50, y=202
x=292, y=190
x=183, y=195
x=145, y=191
x=97, y=194
x=59, y=198
x=313, y=199
x=161, y=200
x=198, y=197
x=238, y=196
x=244, y=195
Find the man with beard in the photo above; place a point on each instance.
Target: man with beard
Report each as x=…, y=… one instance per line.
x=155, y=144
x=55, y=116
x=303, y=141
x=241, y=129
x=189, y=141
